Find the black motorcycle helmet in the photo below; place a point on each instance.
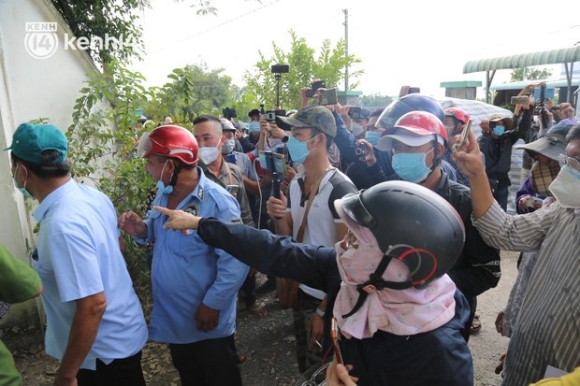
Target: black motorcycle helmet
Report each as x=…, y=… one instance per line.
x=410, y=223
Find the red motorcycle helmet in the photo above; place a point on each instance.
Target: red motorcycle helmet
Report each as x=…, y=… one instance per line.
x=169, y=141
x=419, y=123
x=457, y=113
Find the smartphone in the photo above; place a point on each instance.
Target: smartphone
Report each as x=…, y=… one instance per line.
x=354, y=112
x=275, y=185
x=328, y=97
x=274, y=162
x=335, y=345
x=361, y=150
x=548, y=93
x=414, y=90
x=465, y=135
x=520, y=100
x=279, y=162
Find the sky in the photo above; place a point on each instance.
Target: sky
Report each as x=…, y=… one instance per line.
x=417, y=43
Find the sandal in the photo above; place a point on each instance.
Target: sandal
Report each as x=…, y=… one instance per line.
x=475, y=325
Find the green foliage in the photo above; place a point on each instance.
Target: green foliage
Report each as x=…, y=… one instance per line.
x=304, y=67
x=193, y=90
x=103, y=141
x=243, y=101
x=102, y=18
x=517, y=74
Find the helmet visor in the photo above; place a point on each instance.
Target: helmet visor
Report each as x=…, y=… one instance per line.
x=145, y=145
x=355, y=209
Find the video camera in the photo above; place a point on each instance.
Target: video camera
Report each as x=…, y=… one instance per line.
x=315, y=86
x=270, y=115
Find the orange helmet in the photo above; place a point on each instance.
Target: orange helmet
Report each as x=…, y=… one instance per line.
x=169, y=141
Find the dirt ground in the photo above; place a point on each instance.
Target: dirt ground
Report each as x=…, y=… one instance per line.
x=268, y=344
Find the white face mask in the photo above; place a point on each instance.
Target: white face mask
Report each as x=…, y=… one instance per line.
x=208, y=154
x=566, y=187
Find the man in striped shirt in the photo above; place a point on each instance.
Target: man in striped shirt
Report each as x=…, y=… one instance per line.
x=548, y=329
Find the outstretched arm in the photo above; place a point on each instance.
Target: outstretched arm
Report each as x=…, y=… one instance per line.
x=280, y=256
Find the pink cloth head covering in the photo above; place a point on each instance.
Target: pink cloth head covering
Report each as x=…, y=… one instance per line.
x=401, y=312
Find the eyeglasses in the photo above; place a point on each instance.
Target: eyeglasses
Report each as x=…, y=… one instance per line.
x=350, y=240
x=571, y=162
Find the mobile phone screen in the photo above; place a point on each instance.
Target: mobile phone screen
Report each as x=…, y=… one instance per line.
x=465, y=135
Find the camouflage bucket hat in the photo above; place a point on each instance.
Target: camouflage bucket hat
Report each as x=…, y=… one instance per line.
x=317, y=117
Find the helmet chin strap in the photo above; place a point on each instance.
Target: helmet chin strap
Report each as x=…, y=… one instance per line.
x=376, y=283
x=173, y=179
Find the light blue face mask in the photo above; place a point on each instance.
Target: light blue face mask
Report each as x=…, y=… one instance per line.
x=498, y=130
x=263, y=162
x=161, y=188
x=411, y=167
x=22, y=189
x=373, y=137
x=298, y=150
x=254, y=126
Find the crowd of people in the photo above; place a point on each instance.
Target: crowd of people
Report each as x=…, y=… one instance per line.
x=379, y=229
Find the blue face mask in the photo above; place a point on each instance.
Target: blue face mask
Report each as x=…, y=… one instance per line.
x=231, y=158
x=498, y=130
x=298, y=150
x=161, y=188
x=254, y=126
x=411, y=167
x=262, y=159
x=373, y=137
x=22, y=189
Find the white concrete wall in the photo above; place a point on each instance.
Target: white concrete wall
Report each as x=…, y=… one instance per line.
x=30, y=89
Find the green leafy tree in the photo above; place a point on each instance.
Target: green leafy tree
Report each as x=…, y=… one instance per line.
x=531, y=74
x=103, y=139
x=304, y=67
x=194, y=89
x=106, y=18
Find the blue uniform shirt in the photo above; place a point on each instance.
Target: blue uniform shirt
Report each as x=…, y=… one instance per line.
x=187, y=272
